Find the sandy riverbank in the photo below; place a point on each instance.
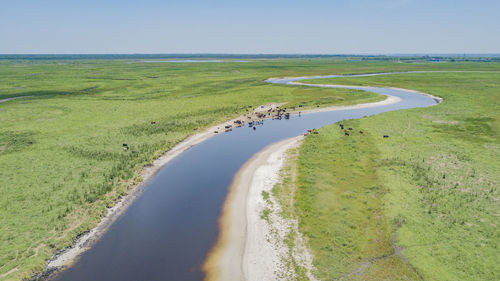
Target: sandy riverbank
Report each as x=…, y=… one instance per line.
x=248, y=248
x=389, y=100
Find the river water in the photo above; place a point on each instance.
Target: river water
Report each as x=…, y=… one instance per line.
x=167, y=232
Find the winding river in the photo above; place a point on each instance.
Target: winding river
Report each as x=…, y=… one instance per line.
x=168, y=230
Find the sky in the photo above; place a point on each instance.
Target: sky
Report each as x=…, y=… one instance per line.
x=249, y=27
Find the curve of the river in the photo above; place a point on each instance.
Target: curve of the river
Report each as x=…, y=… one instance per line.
x=168, y=230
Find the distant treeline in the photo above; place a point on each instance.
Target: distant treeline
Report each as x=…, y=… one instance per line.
x=403, y=58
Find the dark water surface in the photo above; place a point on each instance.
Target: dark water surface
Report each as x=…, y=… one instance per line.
x=167, y=232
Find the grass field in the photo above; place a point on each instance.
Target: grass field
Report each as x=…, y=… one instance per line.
x=61, y=154
x=421, y=204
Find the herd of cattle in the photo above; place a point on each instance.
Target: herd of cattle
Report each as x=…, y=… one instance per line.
x=257, y=118
x=346, y=131
x=277, y=113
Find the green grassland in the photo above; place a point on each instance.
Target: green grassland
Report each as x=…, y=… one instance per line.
x=421, y=204
x=61, y=157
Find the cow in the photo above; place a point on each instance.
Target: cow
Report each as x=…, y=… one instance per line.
x=346, y=134
x=153, y=122
x=386, y=136
x=360, y=132
x=350, y=129
x=195, y=129
x=216, y=132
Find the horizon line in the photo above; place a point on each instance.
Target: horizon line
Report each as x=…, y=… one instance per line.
x=256, y=54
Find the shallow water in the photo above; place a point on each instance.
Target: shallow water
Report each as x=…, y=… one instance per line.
x=167, y=232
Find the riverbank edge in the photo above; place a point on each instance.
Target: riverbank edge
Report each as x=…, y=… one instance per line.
x=226, y=260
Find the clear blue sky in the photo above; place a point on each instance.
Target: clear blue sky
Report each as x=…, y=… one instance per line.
x=252, y=26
